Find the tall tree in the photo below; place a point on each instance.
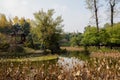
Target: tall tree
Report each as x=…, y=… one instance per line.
x=25, y=25
x=48, y=29
x=3, y=20
x=113, y=4
x=16, y=20
x=20, y=28
x=4, y=24
x=93, y=6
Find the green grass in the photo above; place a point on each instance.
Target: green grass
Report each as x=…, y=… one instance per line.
x=28, y=52
x=41, y=58
x=103, y=49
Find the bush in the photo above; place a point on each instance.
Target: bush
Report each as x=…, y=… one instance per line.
x=19, y=49
x=16, y=49
x=4, y=42
x=4, y=46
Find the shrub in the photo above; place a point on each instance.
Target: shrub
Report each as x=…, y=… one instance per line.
x=4, y=42
x=17, y=49
x=4, y=46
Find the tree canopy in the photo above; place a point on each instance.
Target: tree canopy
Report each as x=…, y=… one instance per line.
x=48, y=29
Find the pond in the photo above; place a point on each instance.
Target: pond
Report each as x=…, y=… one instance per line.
x=29, y=68
x=70, y=58
x=83, y=55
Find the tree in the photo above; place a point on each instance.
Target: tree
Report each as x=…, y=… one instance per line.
x=3, y=20
x=90, y=36
x=48, y=29
x=108, y=36
x=25, y=26
x=76, y=39
x=114, y=34
x=16, y=20
x=106, y=25
x=20, y=29
x=93, y=6
x=104, y=37
x=4, y=24
x=113, y=4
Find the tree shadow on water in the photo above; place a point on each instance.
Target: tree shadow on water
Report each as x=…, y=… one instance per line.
x=83, y=54
x=86, y=51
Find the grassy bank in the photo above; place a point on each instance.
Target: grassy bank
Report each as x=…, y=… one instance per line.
x=95, y=52
x=73, y=48
x=41, y=58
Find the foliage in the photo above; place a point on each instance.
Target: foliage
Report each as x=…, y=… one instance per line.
x=4, y=42
x=107, y=36
x=114, y=34
x=90, y=36
x=48, y=29
x=71, y=39
x=104, y=37
x=21, y=26
x=25, y=26
x=76, y=39
x=66, y=38
x=5, y=25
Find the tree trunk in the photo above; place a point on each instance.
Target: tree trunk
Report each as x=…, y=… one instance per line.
x=112, y=11
x=96, y=15
x=112, y=5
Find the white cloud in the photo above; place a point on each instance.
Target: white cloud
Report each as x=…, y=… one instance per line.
x=24, y=2
x=74, y=17
x=14, y=7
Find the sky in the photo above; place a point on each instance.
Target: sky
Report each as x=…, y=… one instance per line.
x=73, y=12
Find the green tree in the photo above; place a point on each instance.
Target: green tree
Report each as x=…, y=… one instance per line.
x=106, y=25
x=16, y=20
x=25, y=26
x=104, y=37
x=3, y=20
x=76, y=39
x=48, y=29
x=90, y=36
x=114, y=34
x=4, y=24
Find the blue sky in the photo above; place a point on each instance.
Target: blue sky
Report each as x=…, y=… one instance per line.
x=73, y=12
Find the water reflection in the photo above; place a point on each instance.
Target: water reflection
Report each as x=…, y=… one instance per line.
x=83, y=55
x=70, y=63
